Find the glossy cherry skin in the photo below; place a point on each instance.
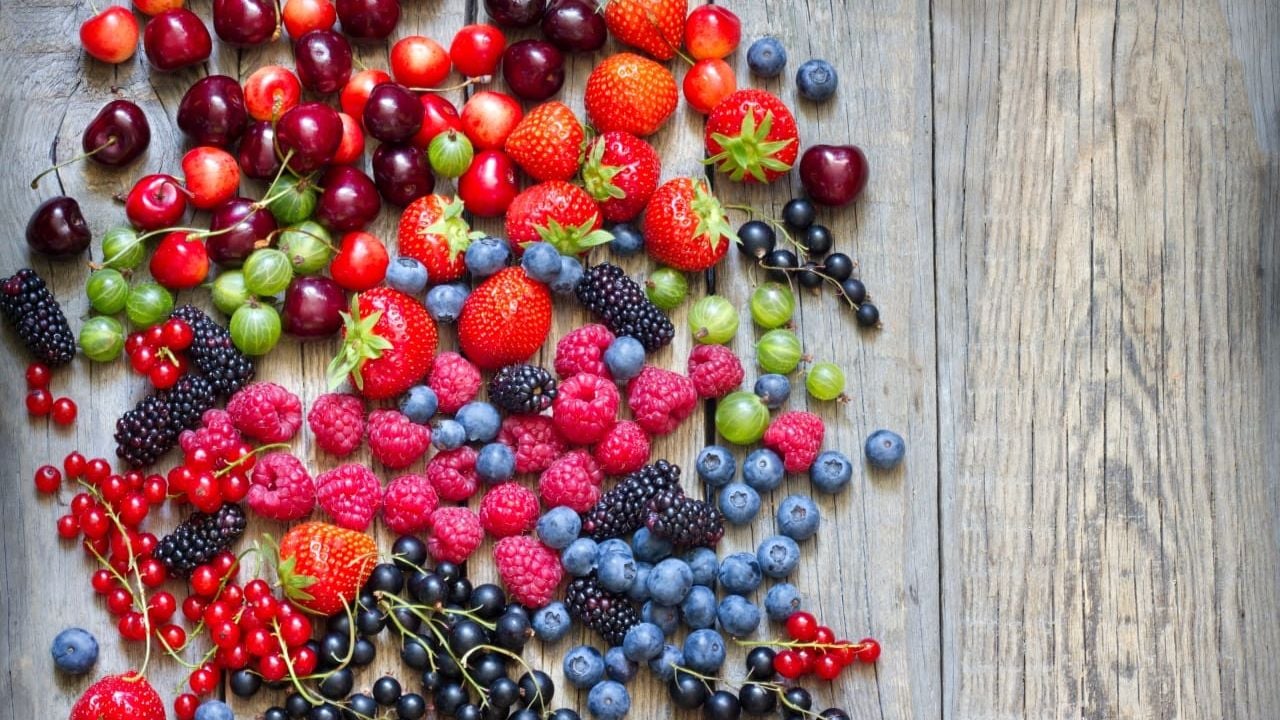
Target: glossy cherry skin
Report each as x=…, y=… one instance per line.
x=515, y=13
x=211, y=175
x=349, y=201
x=352, y=145
x=257, y=152
x=110, y=36
x=402, y=173
x=438, y=115
x=180, y=261
x=368, y=19
x=534, y=69
x=176, y=39
x=489, y=185
x=323, y=60
x=489, y=117
x=249, y=224
x=57, y=228
x=477, y=49
x=156, y=201
x=313, y=307
x=393, y=113
x=420, y=62
x=119, y=133
x=356, y=92
x=303, y=16
x=270, y=91
x=212, y=111
x=834, y=174
x=311, y=132
x=575, y=25
x=245, y=23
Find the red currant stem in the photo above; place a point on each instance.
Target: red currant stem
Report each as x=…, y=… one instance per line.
x=177, y=690
x=167, y=354
x=173, y=653
x=802, y=645
x=231, y=466
x=477, y=80
x=777, y=225
x=140, y=599
x=288, y=663
x=35, y=182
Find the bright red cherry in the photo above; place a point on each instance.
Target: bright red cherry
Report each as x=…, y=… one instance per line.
x=352, y=145
x=308, y=134
x=489, y=117
x=180, y=261
x=176, y=39
x=355, y=93
x=303, y=16
x=323, y=60
x=361, y=262
x=271, y=91
x=477, y=49
x=419, y=62
x=712, y=31
x=63, y=411
x=212, y=176
x=155, y=202
x=489, y=185
x=707, y=83
x=438, y=115
x=110, y=36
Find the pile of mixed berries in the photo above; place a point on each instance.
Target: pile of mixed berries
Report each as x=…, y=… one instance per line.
x=553, y=464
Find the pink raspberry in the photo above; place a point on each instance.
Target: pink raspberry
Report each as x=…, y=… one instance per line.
x=453, y=474
x=660, y=399
x=530, y=570
x=455, y=381
x=534, y=439
x=796, y=436
x=573, y=480
x=714, y=370
x=582, y=351
x=215, y=435
x=585, y=408
x=282, y=488
x=508, y=509
x=397, y=441
x=408, y=504
x=337, y=421
x=266, y=412
x=455, y=534
x=624, y=449
x=351, y=494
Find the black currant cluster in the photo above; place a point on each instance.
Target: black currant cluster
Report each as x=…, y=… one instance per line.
x=759, y=241
x=463, y=643
x=760, y=694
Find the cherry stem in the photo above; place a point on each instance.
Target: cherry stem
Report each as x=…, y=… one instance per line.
x=35, y=182
x=477, y=80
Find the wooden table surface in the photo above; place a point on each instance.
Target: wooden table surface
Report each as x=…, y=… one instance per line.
x=1071, y=233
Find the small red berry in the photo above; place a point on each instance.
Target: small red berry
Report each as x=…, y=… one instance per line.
x=38, y=375
x=163, y=375
x=173, y=636
x=232, y=658
x=256, y=589
x=304, y=660
x=868, y=650
x=218, y=612
x=64, y=411
x=177, y=334
x=143, y=359
x=132, y=626
x=48, y=479
x=272, y=667
x=96, y=471
x=95, y=523
x=184, y=706
x=102, y=581
x=151, y=570
x=204, y=581
x=161, y=607
x=828, y=667
x=155, y=489
x=232, y=594
x=224, y=562
x=225, y=634
x=134, y=478
x=204, y=680
x=193, y=608
x=802, y=626
x=844, y=651
x=295, y=630
x=788, y=664
x=39, y=401
x=824, y=635
x=80, y=503
x=68, y=527
x=113, y=488
x=119, y=601
x=808, y=659
x=259, y=642
x=74, y=465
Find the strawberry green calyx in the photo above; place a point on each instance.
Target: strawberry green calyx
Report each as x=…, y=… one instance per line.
x=750, y=152
x=454, y=229
x=597, y=178
x=711, y=218
x=292, y=583
x=360, y=345
x=573, y=240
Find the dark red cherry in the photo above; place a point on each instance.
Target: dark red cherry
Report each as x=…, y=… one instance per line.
x=118, y=134
x=176, y=39
x=57, y=228
x=402, y=173
x=311, y=132
x=244, y=23
x=212, y=111
x=534, y=69
x=349, y=201
x=575, y=25
x=368, y=19
x=313, y=307
x=249, y=224
x=323, y=60
x=392, y=113
x=834, y=174
x=257, y=154
x=515, y=13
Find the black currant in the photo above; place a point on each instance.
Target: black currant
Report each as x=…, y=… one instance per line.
x=459, y=591
x=779, y=261
x=411, y=706
x=760, y=663
x=429, y=589
x=722, y=705
x=513, y=631
x=525, y=714
x=809, y=275
x=564, y=714
x=244, y=682
x=337, y=684
x=468, y=712
x=370, y=621
x=386, y=690
x=837, y=266
x=407, y=619
x=363, y=653
x=868, y=315
x=409, y=552
x=796, y=698
x=386, y=577
x=360, y=707
x=756, y=699
x=817, y=240
x=536, y=690
x=687, y=691
x=338, y=624
x=834, y=714
x=465, y=636
x=430, y=681
x=326, y=711
x=487, y=667
x=518, y=609
x=798, y=213
x=448, y=571
x=488, y=600
x=450, y=697
x=415, y=655
x=275, y=713
x=756, y=239
x=296, y=705
x=504, y=692
x=853, y=289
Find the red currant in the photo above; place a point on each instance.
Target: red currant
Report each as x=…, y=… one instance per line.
x=184, y=706
x=225, y=634
x=134, y=478
x=39, y=401
x=64, y=411
x=143, y=359
x=119, y=601
x=827, y=667
x=146, y=544
x=132, y=342
x=97, y=546
x=68, y=527
x=152, y=571
x=232, y=594
x=204, y=581
x=233, y=658
x=304, y=660
x=47, y=479
x=74, y=465
x=177, y=334
x=132, y=626
x=114, y=488
x=80, y=503
x=203, y=680
x=802, y=626
x=155, y=489
x=266, y=608
x=173, y=636
x=193, y=608
x=234, y=486
x=259, y=642
x=295, y=629
x=161, y=607
x=256, y=589
x=272, y=667
x=133, y=510
x=38, y=375
x=868, y=650
x=824, y=635
x=843, y=651
x=163, y=375
x=95, y=523
x=224, y=562
x=808, y=659
x=788, y=664
x=103, y=581
x=97, y=470
x=218, y=612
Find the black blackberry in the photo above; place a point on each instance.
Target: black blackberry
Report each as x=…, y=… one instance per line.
x=608, y=613
x=189, y=398
x=624, y=509
x=33, y=312
x=623, y=307
x=146, y=432
x=685, y=521
x=199, y=538
x=213, y=353
x=525, y=389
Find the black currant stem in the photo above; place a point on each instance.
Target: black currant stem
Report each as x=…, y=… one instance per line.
x=444, y=643
x=774, y=687
x=825, y=278
x=404, y=632
x=35, y=182
x=780, y=227
x=288, y=663
x=468, y=614
x=477, y=80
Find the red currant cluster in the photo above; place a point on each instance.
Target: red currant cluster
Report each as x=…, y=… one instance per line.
x=40, y=401
x=158, y=352
x=815, y=650
x=216, y=464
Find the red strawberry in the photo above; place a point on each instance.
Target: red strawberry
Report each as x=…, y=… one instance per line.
x=752, y=136
x=547, y=143
x=505, y=320
x=685, y=226
x=388, y=343
x=562, y=214
x=629, y=92
x=322, y=566
x=433, y=231
x=654, y=26
x=621, y=173
x=119, y=697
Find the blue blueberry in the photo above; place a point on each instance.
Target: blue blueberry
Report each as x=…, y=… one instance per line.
x=740, y=573
x=762, y=470
x=419, y=404
x=624, y=358
x=567, y=279
x=739, y=503
x=781, y=600
x=615, y=545
x=766, y=57
x=407, y=275
x=618, y=667
x=487, y=256
x=558, y=527
x=608, y=701
x=773, y=389
x=817, y=80
x=616, y=572
x=495, y=463
x=716, y=466
x=583, y=666
x=778, y=556
x=643, y=642
x=738, y=616
x=831, y=471
x=639, y=591
x=480, y=419
x=699, y=607
x=579, y=558
x=885, y=449
x=665, y=617
x=649, y=547
x=704, y=651
x=552, y=622
x=214, y=710
x=75, y=651
x=704, y=564
x=798, y=517
x=444, y=302
x=541, y=261
x=627, y=239
x=448, y=435
x=665, y=664
x=669, y=581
